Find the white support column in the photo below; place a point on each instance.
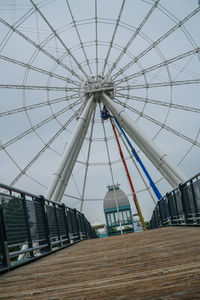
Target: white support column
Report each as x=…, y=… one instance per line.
x=61, y=183
x=68, y=154
x=159, y=159
x=61, y=186
x=66, y=174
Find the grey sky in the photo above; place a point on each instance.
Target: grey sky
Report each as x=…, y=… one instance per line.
x=174, y=128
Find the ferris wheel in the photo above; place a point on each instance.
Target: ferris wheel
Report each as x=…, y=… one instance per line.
x=64, y=62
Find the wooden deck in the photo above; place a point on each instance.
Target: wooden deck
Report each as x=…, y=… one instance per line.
x=158, y=264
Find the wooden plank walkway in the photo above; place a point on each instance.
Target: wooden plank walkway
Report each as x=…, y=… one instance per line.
x=158, y=264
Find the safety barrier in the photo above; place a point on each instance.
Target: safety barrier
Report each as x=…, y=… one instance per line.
x=32, y=226
x=179, y=207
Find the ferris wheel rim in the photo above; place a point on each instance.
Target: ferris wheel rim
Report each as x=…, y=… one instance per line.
x=87, y=63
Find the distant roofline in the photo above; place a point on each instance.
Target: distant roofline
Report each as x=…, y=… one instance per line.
x=113, y=187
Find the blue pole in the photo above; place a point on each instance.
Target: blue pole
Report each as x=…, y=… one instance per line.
x=152, y=184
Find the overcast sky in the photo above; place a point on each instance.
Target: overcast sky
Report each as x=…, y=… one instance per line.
x=36, y=64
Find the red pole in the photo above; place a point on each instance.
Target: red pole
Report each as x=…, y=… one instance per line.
x=129, y=178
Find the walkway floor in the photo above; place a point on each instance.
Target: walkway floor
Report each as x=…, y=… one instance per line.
x=158, y=264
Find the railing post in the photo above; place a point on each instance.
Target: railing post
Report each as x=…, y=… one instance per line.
x=30, y=242
x=89, y=230
x=154, y=218
x=57, y=224
x=176, y=206
x=66, y=225
x=161, y=212
x=82, y=222
x=183, y=202
x=45, y=219
x=70, y=219
x=3, y=241
x=85, y=227
x=169, y=204
x=76, y=219
x=194, y=200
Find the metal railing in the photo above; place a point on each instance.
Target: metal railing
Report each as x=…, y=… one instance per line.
x=179, y=207
x=32, y=226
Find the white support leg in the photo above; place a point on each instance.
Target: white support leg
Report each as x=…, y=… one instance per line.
x=67, y=173
x=61, y=186
x=159, y=159
x=74, y=140
x=58, y=190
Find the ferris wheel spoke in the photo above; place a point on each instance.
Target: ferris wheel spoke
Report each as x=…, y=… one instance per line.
x=135, y=34
x=47, y=146
x=176, y=20
x=96, y=37
x=41, y=104
x=79, y=37
x=31, y=67
x=5, y=40
x=190, y=148
x=158, y=102
x=58, y=37
x=38, y=125
x=157, y=66
x=21, y=171
x=154, y=44
x=158, y=84
x=87, y=161
x=13, y=160
x=41, y=48
x=38, y=87
x=161, y=125
x=28, y=14
x=17, y=24
x=191, y=40
x=76, y=185
x=140, y=64
x=113, y=37
x=24, y=17
x=38, y=182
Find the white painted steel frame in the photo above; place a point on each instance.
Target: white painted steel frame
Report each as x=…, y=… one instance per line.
x=159, y=159
x=87, y=161
x=73, y=85
x=60, y=189
x=70, y=151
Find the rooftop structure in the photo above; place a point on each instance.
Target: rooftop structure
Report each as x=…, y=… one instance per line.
x=117, y=211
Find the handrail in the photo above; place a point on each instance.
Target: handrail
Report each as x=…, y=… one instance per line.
x=179, y=207
x=14, y=189
x=31, y=228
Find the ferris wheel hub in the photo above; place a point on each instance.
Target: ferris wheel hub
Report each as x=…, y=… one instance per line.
x=96, y=86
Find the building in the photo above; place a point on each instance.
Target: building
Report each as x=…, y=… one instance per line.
x=117, y=211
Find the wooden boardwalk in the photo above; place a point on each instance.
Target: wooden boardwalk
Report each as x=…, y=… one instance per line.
x=158, y=264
